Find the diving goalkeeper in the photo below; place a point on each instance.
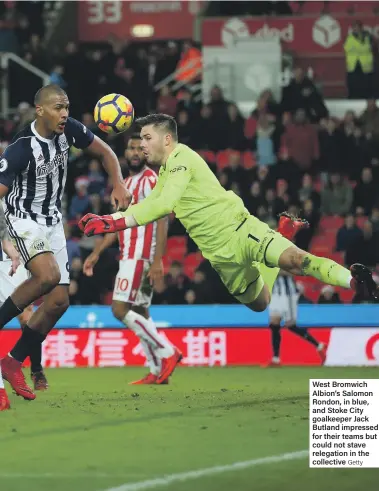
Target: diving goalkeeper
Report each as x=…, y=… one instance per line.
x=245, y=252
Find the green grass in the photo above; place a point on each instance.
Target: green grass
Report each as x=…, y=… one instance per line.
x=92, y=431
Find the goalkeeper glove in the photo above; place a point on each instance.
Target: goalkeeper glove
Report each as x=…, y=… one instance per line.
x=92, y=224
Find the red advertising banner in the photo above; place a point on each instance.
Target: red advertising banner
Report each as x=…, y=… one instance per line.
x=313, y=35
x=200, y=347
x=142, y=20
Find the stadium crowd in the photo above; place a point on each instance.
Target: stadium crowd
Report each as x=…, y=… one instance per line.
x=287, y=155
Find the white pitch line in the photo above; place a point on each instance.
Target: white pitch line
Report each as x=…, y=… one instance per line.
x=185, y=476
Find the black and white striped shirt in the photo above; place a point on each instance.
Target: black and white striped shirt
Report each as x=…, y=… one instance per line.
x=35, y=169
x=284, y=286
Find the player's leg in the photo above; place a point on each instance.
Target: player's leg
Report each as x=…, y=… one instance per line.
x=303, y=333
x=359, y=277
x=132, y=286
x=56, y=302
x=276, y=338
x=33, y=335
x=36, y=371
x=36, y=253
x=290, y=318
x=120, y=311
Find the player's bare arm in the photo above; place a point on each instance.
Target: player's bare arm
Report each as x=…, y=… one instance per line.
x=156, y=269
x=93, y=258
x=121, y=197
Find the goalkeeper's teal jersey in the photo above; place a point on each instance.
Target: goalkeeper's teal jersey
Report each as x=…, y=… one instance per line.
x=189, y=188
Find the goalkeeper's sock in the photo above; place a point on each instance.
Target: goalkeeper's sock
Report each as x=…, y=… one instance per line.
x=303, y=333
x=276, y=339
x=146, y=330
x=269, y=275
x=326, y=270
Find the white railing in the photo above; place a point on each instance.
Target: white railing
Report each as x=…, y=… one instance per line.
x=4, y=64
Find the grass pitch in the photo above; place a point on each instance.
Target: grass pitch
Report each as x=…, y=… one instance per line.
x=92, y=431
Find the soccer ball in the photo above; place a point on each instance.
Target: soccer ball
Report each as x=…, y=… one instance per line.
x=114, y=113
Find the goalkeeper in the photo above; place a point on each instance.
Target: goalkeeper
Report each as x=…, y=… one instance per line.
x=245, y=252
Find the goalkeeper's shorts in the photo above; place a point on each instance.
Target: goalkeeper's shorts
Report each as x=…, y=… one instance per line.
x=238, y=263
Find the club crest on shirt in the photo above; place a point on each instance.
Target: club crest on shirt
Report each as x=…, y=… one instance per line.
x=62, y=142
x=40, y=245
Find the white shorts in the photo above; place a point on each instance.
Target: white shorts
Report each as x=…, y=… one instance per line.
x=8, y=284
x=284, y=306
x=132, y=283
x=31, y=239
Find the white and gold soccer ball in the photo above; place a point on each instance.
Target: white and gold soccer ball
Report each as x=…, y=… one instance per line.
x=114, y=113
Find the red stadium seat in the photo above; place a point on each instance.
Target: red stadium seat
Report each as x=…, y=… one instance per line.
x=223, y=158
x=177, y=241
x=248, y=159
x=191, y=263
x=361, y=221
x=207, y=155
x=333, y=223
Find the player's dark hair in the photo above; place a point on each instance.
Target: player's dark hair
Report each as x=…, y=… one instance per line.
x=46, y=91
x=162, y=121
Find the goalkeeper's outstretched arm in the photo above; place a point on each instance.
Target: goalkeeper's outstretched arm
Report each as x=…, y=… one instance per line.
x=160, y=203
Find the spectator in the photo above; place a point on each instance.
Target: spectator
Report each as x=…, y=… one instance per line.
x=200, y=291
x=96, y=178
x=303, y=299
x=300, y=141
x=56, y=76
x=184, y=128
x=370, y=119
x=166, y=102
x=374, y=219
x=218, y=104
x=177, y=284
x=305, y=235
x=80, y=203
x=266, y=106
x=282, y=191
x=100, y=206
x=275, y=204
x=254, y=199
x=235, y=128
x=235, y=172
x=73, y=249
x=301, y=93
x=205, y=134
x=359, y=62
x=330, y=147
x=365, y=193
x=348, y=234
x=365, y=249
x=160, y=296
x=328, y=295
x=307, y=192
x=190, y=63
x=336, y=197
x=266, y=142
x=186, y=103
